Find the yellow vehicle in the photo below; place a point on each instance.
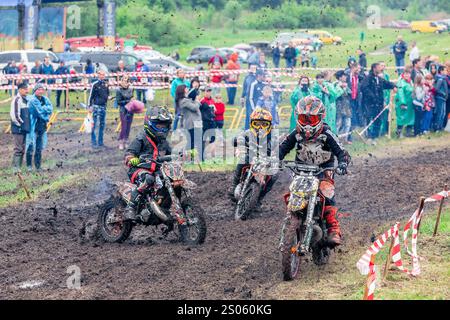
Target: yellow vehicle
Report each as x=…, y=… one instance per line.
x=325, y=36
x=427, y=27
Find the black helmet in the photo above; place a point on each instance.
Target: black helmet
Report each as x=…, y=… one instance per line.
x=157, y=122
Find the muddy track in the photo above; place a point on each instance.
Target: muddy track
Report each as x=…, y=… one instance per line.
x=38, y=241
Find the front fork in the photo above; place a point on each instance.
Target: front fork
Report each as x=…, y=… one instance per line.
x=292, y=224
x=176, y=210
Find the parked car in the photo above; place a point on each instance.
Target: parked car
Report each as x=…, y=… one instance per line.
x=325, y=36
x=427, y=27
x=244, y=47
x=204, y=56
x=200, y=49
x=397, y=24
x=166, y=64
x=243, y=55
x=27, y=57
x=110, y=59
x=264, y=46
x=148, y=54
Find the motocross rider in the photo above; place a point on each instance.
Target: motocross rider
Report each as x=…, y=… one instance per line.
x=315, y=144
x=252, y=142
x=151, y=142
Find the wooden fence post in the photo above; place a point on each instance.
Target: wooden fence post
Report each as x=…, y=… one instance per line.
x=388, y=260
x=438, y=218
x=421, y=204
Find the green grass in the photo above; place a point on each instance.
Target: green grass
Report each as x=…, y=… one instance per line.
x=36, y=191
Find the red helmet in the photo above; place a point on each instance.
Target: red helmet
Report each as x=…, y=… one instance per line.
x=309, y=112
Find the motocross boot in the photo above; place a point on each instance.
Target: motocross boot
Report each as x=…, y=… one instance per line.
x=334, y=231
x=130, y=210
x=17, y=163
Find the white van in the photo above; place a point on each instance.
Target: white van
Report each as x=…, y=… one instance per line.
x=27, y=57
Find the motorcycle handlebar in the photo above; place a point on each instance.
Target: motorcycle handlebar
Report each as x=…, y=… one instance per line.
x=296, y=167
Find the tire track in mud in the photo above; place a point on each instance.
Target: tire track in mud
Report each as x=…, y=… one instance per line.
x=239, y=259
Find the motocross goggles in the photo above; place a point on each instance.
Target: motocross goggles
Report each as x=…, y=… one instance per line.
x=160, y=126
x=260, y=124
x=309, y=120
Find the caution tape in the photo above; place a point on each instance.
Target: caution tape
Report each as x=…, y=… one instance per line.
x=365, y=264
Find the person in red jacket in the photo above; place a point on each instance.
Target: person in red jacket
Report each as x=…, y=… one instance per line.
x=216, y=59
x=219, y=107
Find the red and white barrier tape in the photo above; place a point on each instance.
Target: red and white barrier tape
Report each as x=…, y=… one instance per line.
x=365, y=265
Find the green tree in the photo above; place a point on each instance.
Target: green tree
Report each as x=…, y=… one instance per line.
x=233, y=11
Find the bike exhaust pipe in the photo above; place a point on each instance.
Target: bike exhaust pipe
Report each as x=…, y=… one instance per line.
x=158, y=211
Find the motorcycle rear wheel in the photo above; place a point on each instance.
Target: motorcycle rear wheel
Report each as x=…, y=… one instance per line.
x=118, y=231
x=248, y=201
x=194, y=232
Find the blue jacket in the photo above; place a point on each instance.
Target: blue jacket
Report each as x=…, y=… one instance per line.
x=402, y=47
x=441, y=87
x=62, y=70
x=40, y=112
x=246, y=85
x=178, y=82
x=254, y=93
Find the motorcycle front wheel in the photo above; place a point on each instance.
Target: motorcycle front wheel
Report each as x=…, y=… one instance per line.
x=247, y=202
x=194, y=231
x=110, y=221
x=290, y=259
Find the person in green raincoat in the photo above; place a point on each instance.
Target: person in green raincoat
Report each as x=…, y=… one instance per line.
x=387, y=99
x=404, y=108
x=302, y=90
x=328, y=93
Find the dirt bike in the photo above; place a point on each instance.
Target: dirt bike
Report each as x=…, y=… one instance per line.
x=167, y=202
x=254, y=179
x=307, y=202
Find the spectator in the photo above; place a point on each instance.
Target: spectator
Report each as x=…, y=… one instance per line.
x=47, y=69
x=248, y=80
x=20, y=124
x=36, y=68
x=219, y=113
x=216, y=78
x=207, y=110
x=305, y=57
x=419, y=106
x=417, y=69
x=433, y=68
x=387, y=100
x=215, y=59
x=343, y=108
x=11, y=69
x=290, y=55
x=194, y=89
x=362, y=60
x=440, y=98
x=267, y=102
x=302, y=90
x=191, y=117
x=141, y=93
x=314, y=61
x=447, y=106
x=276, y=55
x=277, y=91
x=334, y=92
x=429, y=104
x=254, y=92
x=23, y=72
x=179, y=80
x=262, y=64
x=404, y=107
x=232, y=79
x=372, y=88
x=98, y=100
x=89, y=67
x=62, y=70
x=399, y=50
x=414, y=53
x=123, y=96
x=253, y=57
x=354, y=80
x=40, y=109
